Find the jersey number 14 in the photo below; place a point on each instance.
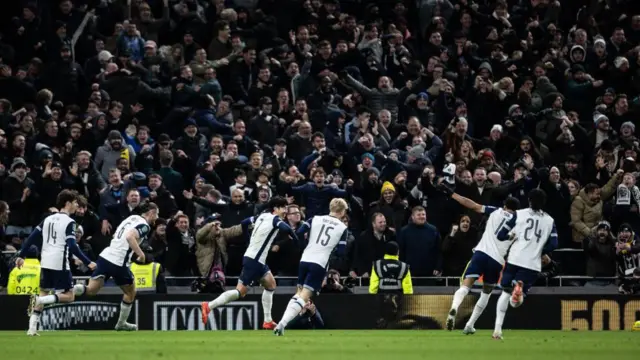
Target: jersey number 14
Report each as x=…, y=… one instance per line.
x=51, y=234
x=324, y=237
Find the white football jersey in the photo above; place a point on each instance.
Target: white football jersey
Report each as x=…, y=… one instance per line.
x=495, y=239
x=56, y=229
x=119, y=253
x=533, y=230
x=325, y=234
x=265, y=231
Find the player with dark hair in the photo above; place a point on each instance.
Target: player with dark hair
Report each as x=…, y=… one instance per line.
x=535, y=235
x=56, y=237
x=488, y=257
x=114, y=261
x=264, y=230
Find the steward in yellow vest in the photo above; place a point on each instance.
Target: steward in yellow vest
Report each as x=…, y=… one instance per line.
x=26, y=280
x=145, y=276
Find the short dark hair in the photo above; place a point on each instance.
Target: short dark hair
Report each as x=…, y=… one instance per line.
x=590, y=188
x=391, y=248
x=512, y=203
x=145, y=207
x=277, y=202
x=537, y=199
x=66, y=196
x=220, y=25
x=317, y=134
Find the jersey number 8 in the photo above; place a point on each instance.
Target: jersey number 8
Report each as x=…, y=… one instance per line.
x=324, y=237
x=532, y=225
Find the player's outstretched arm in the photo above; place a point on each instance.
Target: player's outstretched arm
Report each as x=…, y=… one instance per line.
x=468, y=203
x=284, y=227
x=304, y=228
x=34, y=238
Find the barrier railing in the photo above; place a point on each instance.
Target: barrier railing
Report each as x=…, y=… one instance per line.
x=561, y=280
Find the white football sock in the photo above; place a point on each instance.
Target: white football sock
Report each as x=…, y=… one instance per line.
x=296, y=304
x=34, y=320
x=478, y=309
x=125, y=309
x=47, y=299
x=225, y=298
x=501, y=310
x=458, y=297
x=267, y=301
x=79, y=289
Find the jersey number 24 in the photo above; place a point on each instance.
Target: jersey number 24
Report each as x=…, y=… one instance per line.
x=532, y=226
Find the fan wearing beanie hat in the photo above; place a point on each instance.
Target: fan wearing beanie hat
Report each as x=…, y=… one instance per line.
x=387, y=187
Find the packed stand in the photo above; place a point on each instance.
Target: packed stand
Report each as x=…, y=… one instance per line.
x=210, y=108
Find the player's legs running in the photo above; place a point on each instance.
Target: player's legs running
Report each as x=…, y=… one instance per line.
x=310, y=278
x=295, y=306
x=480, y=264
x=458, y=297
x=481, y=304
x=268, y=282
x=226, y=297
x=252, y=271
x=59, y=282
x=516, y=281
x=128, y=297
x=492, y=271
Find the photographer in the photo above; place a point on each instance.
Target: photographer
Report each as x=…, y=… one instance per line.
x=309, y=318
x=332, y=285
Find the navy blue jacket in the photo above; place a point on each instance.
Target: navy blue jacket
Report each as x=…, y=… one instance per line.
x=420, y=248
x=317, y=199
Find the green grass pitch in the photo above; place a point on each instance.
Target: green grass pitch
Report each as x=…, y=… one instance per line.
x=311, y=345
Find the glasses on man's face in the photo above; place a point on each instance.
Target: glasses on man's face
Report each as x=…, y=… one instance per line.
x=294, y=213
x=164, y=144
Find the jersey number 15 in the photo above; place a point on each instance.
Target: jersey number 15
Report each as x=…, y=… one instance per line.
x=324, y=237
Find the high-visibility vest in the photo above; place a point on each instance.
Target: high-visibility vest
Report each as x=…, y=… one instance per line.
x=145, y=276
x=25, y=281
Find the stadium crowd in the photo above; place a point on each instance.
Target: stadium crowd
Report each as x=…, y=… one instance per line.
x=211, y=107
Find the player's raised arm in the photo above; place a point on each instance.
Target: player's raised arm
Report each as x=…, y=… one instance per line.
x=133, y=236
x=470, y=204
x=552, y=241
x=70, y=238
x=284, y=227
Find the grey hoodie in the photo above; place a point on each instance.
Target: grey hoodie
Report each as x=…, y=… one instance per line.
x=106, y=157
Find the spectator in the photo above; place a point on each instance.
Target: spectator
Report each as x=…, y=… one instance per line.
x=181, y=247
x=586, y=209
x=370, y=245
x=601, y=253
x=463, y=93
x=420, y=245
x=458, y=246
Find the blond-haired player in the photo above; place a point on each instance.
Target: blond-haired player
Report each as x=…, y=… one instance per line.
x=325, y=233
